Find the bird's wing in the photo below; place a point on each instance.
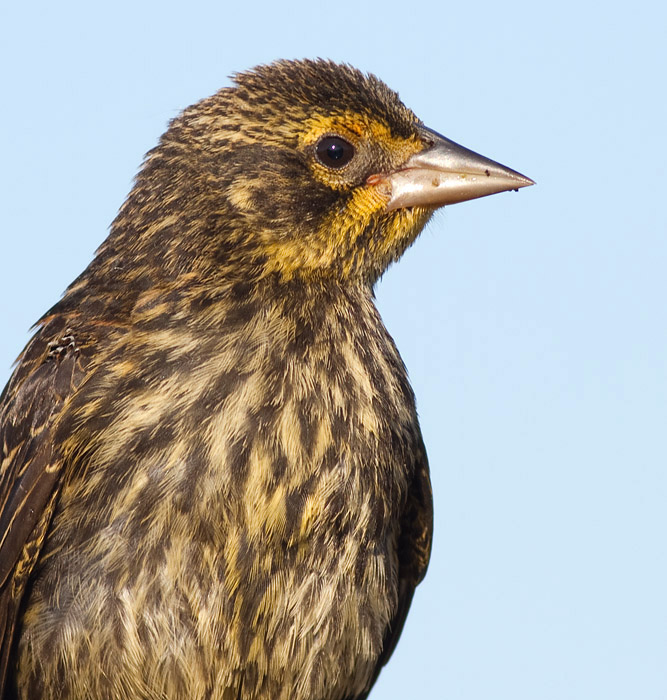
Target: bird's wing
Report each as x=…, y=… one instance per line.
x=414, y=551
x=30, y=464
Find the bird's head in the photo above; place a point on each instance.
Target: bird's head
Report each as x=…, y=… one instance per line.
x=301, y=169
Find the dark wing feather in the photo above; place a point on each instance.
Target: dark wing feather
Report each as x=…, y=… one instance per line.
x=30, y=464
x=414, y=551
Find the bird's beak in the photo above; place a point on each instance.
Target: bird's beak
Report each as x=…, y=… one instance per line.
x=446, y=173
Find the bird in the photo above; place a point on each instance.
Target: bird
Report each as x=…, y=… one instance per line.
x=213, y=484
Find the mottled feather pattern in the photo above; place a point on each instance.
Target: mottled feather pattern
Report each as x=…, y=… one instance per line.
x=259, y=475
x=230, y=493
x=29, y=468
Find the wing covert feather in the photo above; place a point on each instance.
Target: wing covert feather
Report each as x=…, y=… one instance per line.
x=30, y=464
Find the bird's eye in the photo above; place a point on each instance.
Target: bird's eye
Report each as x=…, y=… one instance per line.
x=334, y=152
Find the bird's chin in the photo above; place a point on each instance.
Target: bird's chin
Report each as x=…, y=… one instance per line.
x=404, y=225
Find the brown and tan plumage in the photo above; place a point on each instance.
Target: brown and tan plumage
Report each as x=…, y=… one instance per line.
x=212, y=479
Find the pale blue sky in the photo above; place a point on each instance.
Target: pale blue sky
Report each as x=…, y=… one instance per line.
x=533, y=324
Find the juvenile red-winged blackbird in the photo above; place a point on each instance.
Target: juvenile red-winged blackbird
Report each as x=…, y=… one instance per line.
x=213, y=483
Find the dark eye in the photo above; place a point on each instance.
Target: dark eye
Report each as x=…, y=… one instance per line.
x=334, y=152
